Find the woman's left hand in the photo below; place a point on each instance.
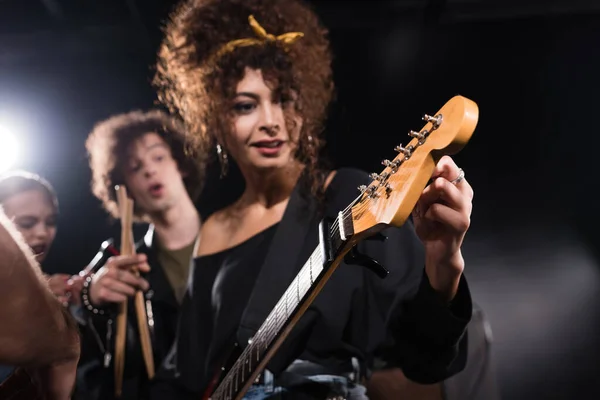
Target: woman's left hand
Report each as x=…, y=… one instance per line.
x=442, y=217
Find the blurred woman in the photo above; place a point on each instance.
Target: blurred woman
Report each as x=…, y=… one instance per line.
x=31, y=203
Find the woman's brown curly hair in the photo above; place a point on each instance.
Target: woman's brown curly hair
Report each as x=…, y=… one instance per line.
x=194, y=83
x=109, y=143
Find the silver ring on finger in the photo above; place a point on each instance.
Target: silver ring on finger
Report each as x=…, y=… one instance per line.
x=459, y=178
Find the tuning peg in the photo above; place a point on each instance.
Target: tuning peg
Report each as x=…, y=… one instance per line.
x=379, y=177
x=403, y=150
x=370, y=191
x=436, y=121
x=416, y=134
x=393, y=165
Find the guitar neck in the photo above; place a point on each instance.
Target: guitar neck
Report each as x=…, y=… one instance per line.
x=288, y=310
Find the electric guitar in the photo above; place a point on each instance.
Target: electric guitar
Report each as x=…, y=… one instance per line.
x=387, y=201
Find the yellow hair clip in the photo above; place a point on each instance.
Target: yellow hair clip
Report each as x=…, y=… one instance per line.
x=263, y=36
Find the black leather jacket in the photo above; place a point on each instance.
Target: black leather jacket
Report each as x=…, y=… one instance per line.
x=96, y=374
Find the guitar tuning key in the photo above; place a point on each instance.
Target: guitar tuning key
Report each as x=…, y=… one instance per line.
x=407, y=151
x=370, y=191
x=436, y=121
x=393, y=165
x=379, y=177
x=403, y=150
x=417, y=135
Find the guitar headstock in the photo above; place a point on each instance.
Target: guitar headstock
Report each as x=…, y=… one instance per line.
x=391, y=196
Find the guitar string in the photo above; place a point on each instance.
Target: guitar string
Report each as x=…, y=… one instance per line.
x=273, y=324
x=275, y=320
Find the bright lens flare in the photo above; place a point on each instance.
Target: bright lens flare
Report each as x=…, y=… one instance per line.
x=9, y=148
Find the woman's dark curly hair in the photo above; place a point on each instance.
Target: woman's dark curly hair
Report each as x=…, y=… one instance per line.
x=199, y=86
x=109, y=143
x=18, y=181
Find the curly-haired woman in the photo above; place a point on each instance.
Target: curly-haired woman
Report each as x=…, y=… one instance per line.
x=252, y=79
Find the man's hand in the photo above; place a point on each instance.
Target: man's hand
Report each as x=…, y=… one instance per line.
x=115, y=281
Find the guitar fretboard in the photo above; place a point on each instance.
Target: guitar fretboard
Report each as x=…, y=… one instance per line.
x=253, y=354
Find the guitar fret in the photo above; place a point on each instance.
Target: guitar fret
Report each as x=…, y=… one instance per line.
x=311, y=270
x=267, y=333
x=297, y=290
x=243, y=371
x=285, y=297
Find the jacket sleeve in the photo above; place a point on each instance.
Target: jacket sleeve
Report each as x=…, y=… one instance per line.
x=425, y=335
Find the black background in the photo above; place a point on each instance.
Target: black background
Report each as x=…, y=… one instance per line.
x=530, y=65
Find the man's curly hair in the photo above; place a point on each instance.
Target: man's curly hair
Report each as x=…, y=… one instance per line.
x=108, y=148
x=198, y=86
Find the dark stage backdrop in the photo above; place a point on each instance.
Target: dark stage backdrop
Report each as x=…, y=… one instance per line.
x=531, y=252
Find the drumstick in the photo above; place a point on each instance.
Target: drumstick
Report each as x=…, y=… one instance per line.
x=128, y=248
x=121, y=323
x=140, y=306
x=140, y=311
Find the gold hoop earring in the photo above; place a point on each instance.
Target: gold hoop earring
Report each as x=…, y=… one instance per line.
x=223, y=160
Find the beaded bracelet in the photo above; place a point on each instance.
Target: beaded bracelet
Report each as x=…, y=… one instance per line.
x=85, y=297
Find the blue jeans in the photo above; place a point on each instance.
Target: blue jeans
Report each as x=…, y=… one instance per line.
x=5, y=372
x=350, y=390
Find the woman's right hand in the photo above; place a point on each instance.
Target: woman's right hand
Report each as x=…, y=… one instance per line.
x=115, y=281
x=59, y=287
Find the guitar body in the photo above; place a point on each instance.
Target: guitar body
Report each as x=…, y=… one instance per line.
x=20, y=386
